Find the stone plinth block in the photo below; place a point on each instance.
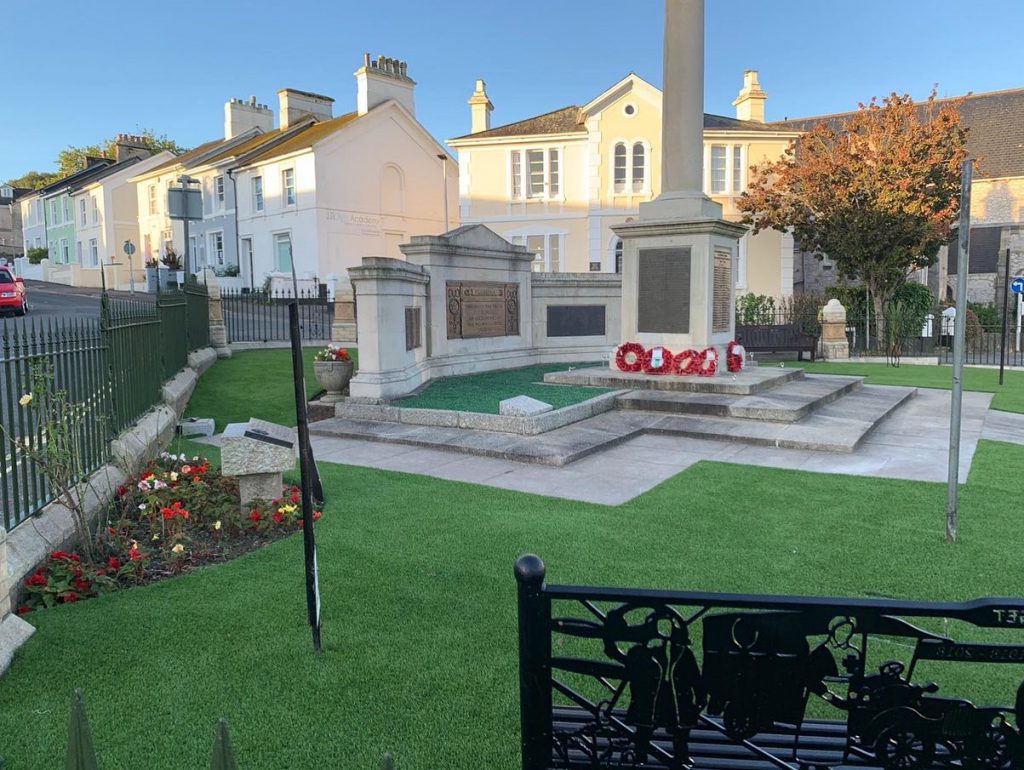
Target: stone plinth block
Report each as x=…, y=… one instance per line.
x=834, y=344
x=522, y=406
x=259, y=486
x=257, y=453
x=197, y=426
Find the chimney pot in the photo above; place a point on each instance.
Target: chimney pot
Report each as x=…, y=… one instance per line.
x=751, y=100
x=480, y=108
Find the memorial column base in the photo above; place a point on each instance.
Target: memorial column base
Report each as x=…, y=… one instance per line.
x=678, y=279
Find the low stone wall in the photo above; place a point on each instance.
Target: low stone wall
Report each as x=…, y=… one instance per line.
x=27, y=545
x=445, y=418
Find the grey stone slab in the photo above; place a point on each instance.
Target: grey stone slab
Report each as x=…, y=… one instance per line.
x=442, y=418
x=746, y=382
x=1004, y=426
x=523, y=406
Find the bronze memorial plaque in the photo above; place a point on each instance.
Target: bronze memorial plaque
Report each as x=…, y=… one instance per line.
x=663, y=291
x=479, y=309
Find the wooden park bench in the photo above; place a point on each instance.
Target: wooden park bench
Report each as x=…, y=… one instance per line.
x=619, y=678
x=777, y=338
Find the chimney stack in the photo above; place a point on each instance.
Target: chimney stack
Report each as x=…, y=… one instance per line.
x=295, y=105
x=480, y=107
x=240, y=116
x=131, y=146
x=382, y=79
x=750, y=103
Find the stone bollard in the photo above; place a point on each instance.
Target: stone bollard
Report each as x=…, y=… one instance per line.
x=218, y=330
x=834, y=344
x=257, y=453
x=344, y=327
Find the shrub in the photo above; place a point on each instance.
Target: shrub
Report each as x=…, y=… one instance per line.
x=803, y=310
x=987, y=314
x=755, y=310
x=37, y=255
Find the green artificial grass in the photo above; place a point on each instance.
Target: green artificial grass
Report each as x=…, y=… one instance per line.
x=483, y=392
x=255, y=383
x=1009, y=397
x=419, y=607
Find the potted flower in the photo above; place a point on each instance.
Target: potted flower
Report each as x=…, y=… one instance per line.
x=172, y=262
x=333, y=368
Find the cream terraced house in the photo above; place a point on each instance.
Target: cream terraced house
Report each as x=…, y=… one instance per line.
x=557, y=183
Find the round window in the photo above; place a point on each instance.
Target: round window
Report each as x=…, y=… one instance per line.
x=630, y=109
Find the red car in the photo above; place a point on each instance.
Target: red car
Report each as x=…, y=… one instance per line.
x=12, y=293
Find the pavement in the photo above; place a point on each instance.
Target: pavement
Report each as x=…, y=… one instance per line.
x=911, y=444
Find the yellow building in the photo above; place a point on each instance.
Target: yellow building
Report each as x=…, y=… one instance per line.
x=558, y=182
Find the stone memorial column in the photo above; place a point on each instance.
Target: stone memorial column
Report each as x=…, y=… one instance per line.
x=680, y=257
x=834, y=344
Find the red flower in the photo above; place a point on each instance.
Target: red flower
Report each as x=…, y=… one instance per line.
x=275, y=502
x=147, y=476
x=122, y=491
x=254, y=516
x=134, y=554
x=295, y=490
x=197, y=479
x=278, y=518
x=174, y=510
x=71, y=597
x=81, y=585
x=60, y=555
x=24, y=609
x=113, y=563
x=295, y=498
x=38, y=579
x=317, y=515
x=300, y=522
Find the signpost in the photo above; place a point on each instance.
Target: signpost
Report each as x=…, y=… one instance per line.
x=185, y=203
x=129, y=251
x=1017, y=287
x=1002, y=339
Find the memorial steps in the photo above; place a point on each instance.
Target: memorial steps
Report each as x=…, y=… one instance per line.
x=760, y=406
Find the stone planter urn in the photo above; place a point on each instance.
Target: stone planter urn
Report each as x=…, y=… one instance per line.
x=333, y=377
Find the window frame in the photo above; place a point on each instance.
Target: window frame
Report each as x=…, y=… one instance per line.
x=524, y=175
x=94, y=253
x=82, y=214
x=218, y=191
x=289, y=193
x=278, y=238
x=624, y=180
x=724, y=170
x=258, y=202
x=217, y=249
x=151, y=192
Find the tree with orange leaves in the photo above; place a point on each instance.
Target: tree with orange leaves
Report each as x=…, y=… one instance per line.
x=878, y=194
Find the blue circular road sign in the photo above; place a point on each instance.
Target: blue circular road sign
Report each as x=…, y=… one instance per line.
x=1017, y=285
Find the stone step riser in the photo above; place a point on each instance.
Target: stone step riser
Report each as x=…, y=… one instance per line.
x=638, y=401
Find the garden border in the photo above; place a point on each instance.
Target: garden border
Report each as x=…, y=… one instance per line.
x=449, y=418
x=27, y=545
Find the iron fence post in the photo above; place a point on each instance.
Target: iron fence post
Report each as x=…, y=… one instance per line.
x=534, y=663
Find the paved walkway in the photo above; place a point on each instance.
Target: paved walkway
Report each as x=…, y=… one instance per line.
x=912, y=444
x=1004, y=426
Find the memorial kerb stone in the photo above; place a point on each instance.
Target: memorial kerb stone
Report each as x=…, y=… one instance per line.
x=257, y=453
x=523, y=406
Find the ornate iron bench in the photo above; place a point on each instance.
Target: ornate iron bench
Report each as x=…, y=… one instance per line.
x=778, y=338
x=613, y=678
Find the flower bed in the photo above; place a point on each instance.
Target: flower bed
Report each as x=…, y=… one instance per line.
x=176, y=515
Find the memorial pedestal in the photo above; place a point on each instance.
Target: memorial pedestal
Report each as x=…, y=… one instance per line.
x=678, y=283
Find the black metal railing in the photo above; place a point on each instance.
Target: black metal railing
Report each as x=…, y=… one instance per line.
x=613, y=678
x=112, y=367
x=262, y=316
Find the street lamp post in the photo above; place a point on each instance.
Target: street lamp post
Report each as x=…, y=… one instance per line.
x=444, y=175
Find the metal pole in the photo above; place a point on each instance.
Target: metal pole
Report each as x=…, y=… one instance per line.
x=305, y=485
x=444, y=176
x=1020, y=312
x=959, y=340
x=1006, y=302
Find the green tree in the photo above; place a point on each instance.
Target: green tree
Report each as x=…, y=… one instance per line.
x=879, y=194
x=34, y=180
x=73, y=158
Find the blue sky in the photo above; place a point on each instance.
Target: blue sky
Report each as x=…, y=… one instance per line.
x=171, y=66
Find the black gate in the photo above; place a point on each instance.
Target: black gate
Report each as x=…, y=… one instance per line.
x=262, y=316
x=613, y=678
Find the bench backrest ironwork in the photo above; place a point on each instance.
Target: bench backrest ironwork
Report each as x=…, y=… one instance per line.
x=778, y=336
x=663, y=679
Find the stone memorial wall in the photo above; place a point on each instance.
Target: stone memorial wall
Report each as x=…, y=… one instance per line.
x=478, y=308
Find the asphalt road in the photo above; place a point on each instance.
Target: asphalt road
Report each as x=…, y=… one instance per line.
x=52, y=301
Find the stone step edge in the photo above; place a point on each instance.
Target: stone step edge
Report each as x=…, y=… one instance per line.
x=910, y=393
x=664, y=383
x=555, y=460
x=635, y=400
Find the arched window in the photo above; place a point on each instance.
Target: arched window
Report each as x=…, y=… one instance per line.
x=618, y=256
x=639, y=167
x=620, y=168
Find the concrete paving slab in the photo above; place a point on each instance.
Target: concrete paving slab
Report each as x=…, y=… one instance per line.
x=1004, y=426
